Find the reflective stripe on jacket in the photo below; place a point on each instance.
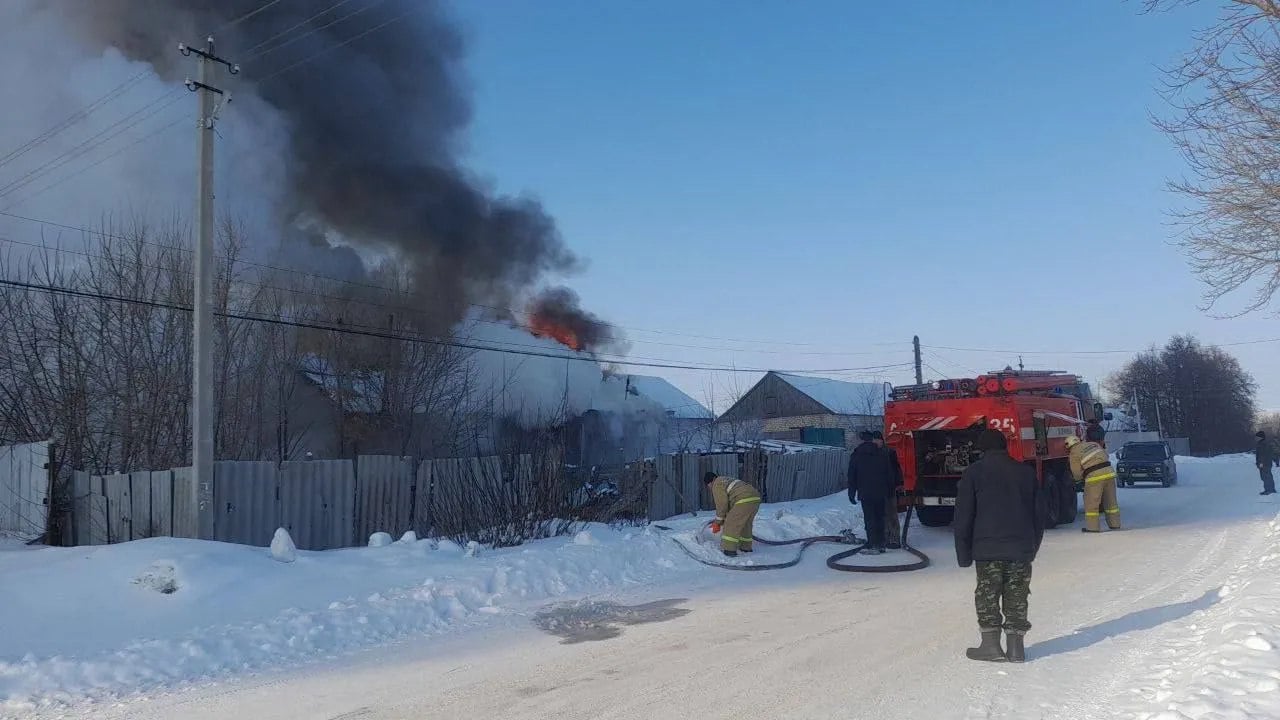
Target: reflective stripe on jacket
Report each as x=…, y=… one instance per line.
x=1089, y=463
x=728, y=492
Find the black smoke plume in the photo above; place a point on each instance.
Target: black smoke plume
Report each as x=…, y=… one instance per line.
x=557, y=313
x=376, y=109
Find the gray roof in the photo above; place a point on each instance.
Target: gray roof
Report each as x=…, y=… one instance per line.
x=841, y=397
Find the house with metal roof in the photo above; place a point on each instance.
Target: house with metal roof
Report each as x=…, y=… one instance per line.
x=808, y=409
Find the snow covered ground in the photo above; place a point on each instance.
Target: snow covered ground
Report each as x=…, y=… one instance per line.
x=1177, y=617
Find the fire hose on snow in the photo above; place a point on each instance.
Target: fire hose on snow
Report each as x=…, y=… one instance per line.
x=833, y=562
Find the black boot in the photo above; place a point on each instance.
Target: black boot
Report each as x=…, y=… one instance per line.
x=730, y=553
x=989, y=650
x=1016, y=652
x=1087, y=530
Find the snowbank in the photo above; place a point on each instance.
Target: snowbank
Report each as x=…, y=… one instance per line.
x=1223, y=662
x=169, y=611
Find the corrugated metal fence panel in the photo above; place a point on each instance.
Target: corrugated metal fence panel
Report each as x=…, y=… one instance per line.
x=821, y=473
x=691, y=483
x=140, y=496
x=246, y=500
x=1180, y=446
x=384, y=495
x=89, y=509
x=780, y=478
x=461, y=488
x=664, y=501
x=317, y=503
x=24, y=489
x=162, y=503
x=186, y=521
x=422, y=501
x=119, y=507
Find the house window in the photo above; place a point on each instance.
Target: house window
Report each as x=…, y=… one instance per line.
x=771, y=408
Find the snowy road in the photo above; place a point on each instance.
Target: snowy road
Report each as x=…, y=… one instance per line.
x=1125, y=626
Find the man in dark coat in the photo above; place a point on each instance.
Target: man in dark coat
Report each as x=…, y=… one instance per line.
x=1094, y=433
x=999, y=523
x=1265, y=456
x=892, y=530
x=871, y=479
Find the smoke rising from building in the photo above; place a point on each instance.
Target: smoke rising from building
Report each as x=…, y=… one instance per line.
x=374, y=124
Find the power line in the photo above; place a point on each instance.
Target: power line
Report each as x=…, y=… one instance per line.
x=74, y=174
x=381, y=288
x=255, y=53
x=252, y=13
x=91, y=143
x=331, y=48
x=440, y=342
x=413, y=311
x=71, y=120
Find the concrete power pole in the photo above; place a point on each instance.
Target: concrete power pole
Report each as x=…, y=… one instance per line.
x=915, y=345
x=207, y=66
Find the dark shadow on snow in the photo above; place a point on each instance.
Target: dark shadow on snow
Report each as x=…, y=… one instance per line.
x=593, y=620
x=1133, y=622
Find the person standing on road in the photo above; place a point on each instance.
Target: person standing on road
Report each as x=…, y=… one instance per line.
x=871, y=483
x=892, y=530
x=1265, y=456
x=999, y=524
x=1090, y=465
x=736, y=505
x=1094, y=433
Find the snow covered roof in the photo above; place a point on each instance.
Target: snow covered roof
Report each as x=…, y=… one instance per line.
x=779, y=447
x=841, y=397
x=357, y=391
x=671, y=398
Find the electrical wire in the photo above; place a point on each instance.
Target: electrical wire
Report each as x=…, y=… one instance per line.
x=440, y=342
x=71, y=120
x=407, y=293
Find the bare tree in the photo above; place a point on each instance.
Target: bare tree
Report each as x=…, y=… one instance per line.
x=1225, y=120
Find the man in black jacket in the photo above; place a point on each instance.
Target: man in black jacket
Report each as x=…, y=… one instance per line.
x=999, y=523
x=892, y=530
x=871, y=479
x=1094, y=433
x=1265, y=456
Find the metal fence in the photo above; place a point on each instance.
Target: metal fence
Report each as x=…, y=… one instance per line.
x=25, y=472
x=677, y=487
x=328, y=504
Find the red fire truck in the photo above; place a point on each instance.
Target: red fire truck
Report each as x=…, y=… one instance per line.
x=933, y=429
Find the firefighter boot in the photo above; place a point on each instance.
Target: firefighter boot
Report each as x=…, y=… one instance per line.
x=989, y=650
x=1015, y=651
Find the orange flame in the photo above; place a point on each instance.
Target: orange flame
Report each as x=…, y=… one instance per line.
x=543, y=326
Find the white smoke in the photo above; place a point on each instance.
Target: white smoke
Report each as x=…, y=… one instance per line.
x=540, y=389
x=131, y=157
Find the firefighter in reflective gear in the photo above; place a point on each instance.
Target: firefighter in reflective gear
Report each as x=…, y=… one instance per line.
x=736, y=505
x=1090, y=465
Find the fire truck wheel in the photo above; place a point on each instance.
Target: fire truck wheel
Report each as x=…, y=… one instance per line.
x=935, y=515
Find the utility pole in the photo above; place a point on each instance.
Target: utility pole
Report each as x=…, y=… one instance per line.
x=915, y=344
x=1137, y=409
x=1020, y=367
x=207, y=66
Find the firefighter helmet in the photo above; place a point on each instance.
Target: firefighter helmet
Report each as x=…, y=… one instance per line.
x=1072, y=441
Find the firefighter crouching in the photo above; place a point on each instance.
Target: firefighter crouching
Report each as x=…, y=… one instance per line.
x=1090, y=464
x=736, y=506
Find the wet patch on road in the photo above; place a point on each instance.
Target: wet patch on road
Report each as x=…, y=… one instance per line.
x=595, y=620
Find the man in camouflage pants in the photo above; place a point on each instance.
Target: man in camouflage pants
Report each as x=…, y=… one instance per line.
x=999, y=525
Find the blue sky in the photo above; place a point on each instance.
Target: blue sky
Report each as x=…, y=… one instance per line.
x=834, y=177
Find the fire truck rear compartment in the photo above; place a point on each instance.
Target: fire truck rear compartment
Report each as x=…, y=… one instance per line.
x=941, y=457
